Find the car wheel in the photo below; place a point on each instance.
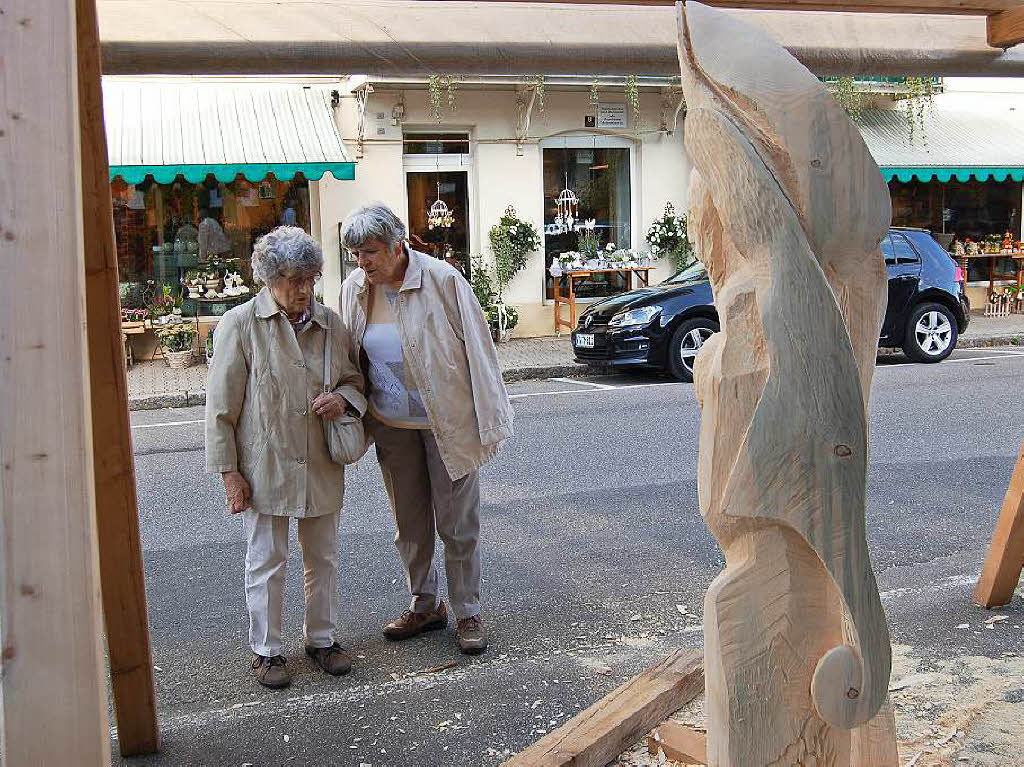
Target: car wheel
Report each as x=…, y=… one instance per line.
x=931, y=333
x=685, y=344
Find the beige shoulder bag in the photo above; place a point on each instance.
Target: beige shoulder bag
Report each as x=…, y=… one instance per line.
x=346, y=440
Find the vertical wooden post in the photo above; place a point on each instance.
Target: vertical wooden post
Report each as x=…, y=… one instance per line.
x=1005, y=556
x=117, y=521
x=54, y=708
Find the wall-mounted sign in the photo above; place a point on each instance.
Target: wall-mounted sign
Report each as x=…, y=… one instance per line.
x=590, y=121
x=611, y=115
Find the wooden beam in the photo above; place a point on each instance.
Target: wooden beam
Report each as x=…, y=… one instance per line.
x=54, y=708
x=1005, y=557
x=958, y=7
x=596, y=736
x=679, y=743
x=117, y=520
x=1006, y=29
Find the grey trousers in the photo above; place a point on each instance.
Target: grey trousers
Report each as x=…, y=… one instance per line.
x=425, y=500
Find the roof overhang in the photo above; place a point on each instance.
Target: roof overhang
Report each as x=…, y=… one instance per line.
x=405, y=37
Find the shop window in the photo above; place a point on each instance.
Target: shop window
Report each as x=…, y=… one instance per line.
x=167, y=233
x=600, y=178
x=448, y=239
x=960, y=210
x=436, y=143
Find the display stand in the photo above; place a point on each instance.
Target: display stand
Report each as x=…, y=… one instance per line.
x=571, y=277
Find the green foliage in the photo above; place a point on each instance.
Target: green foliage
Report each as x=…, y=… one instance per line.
x=442, y=89
x=482, y=282
x=915, y=93
x=177, y=337
x=668, y=238
x=494, y=312
x=512, y=240
x=633, y=99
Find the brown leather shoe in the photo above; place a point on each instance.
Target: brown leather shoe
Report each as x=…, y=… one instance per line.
x=332, y=660
x=410, y=624
x=471, y=635
x=270, y=672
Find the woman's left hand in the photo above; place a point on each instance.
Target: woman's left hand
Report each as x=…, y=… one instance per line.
x=329, y=405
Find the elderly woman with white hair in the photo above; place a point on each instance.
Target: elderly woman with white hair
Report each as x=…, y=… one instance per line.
x=438, y=410
x=266, y=403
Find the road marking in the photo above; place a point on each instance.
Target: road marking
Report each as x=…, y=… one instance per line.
x=949, y=361
x=164, y=423
x=606, y=388
x=585, y=383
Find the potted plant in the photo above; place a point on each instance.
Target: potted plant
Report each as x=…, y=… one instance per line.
x=502, y=320
x=512, y=242
x=668, y=238
x=177, y=341
x=133, y=318
x=161, y=305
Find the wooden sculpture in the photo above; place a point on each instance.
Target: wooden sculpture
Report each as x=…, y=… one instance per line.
x=789, y=209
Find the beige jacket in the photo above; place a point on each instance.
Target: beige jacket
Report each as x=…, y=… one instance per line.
x=262, y=380
x=448, y=347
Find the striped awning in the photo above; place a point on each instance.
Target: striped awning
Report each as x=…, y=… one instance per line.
x=164, y=129
x=954, y=145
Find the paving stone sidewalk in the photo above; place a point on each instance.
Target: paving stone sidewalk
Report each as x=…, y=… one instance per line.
x=154, y=385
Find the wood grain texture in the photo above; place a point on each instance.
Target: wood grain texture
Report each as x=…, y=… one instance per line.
x=597, y=735
x=54, y=708
x=1005, y=557
x=966, y=7
x=788, y=210
x=117, y=520
x=1006, y=29
x=679, y=743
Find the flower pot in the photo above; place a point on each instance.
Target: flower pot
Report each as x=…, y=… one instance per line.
x=176, y=311
x=179, y=359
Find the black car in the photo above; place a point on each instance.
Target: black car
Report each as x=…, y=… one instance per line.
x=663, y=326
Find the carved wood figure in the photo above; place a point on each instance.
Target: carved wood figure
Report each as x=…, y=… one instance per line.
x=788, y=209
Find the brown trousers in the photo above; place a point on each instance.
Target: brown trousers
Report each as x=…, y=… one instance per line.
x=425, y=501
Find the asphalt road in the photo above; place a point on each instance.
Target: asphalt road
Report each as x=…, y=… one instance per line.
x=591, y=538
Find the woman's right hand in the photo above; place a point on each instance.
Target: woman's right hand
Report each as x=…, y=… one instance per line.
x=236, y=491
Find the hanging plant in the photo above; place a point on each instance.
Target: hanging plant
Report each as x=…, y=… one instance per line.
x=668, y=238
x=512, y=240
x=633, y=99
x=595, y=98
x=441, y=89
x=540, y=89
x=916, y=93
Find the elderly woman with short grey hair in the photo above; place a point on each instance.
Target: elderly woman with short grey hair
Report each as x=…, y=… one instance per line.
x=438, y=410
x=266, y=406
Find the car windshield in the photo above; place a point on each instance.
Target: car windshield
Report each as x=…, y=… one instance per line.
x=695, y=272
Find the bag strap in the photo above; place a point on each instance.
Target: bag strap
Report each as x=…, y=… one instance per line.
x=327, y=356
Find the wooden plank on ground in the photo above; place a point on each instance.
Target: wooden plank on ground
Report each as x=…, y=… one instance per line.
x=1006, y=29
x=54, y=709
x=117, y=520
x=679, y=743
x=596, y=736
x=1005, y=558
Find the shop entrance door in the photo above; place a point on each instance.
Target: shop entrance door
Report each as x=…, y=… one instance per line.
x=447, y=238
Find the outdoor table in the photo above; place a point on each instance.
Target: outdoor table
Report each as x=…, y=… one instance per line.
x=571, y=277
x=1016, y=255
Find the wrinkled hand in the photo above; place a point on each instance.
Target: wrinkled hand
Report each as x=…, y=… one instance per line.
x=329, y=405
x=237, y=491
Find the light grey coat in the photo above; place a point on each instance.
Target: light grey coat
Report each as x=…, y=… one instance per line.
x=447, y=345
x=262, y=380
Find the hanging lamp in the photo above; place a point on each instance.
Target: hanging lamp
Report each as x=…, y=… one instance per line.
x=439, y=216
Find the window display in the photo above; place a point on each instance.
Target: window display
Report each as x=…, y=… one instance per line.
x=594, y=185
x=193, y=242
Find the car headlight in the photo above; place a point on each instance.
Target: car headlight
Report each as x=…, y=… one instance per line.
x=643, y=316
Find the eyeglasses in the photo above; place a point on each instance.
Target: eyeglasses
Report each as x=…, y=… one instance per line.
x=301, y=282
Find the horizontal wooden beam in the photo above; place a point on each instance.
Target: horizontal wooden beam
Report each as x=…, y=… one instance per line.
x=401, y=38
x=599, y=734
x=958, y=7
x=1006, y=29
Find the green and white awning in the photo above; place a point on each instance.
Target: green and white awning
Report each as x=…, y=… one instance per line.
x=954, y=146
x=164, y=129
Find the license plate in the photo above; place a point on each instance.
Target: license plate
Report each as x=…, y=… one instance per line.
x=585, y=340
